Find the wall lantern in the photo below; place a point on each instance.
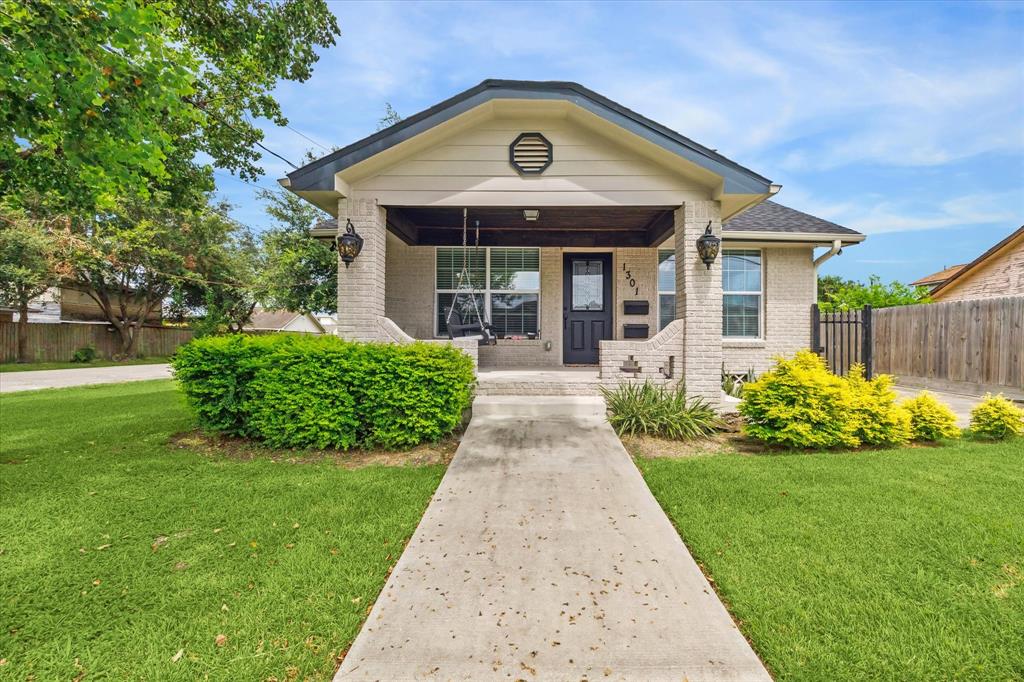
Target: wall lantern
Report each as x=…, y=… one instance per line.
x=707, y=246
x=349, y=244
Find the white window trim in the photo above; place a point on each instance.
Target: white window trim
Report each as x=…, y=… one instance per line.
x=487, y=290
x=760, y=299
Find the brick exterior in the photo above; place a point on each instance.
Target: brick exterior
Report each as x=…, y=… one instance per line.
x=699, y=301
x=788, y=293
x=361, y=285
x=788, y=287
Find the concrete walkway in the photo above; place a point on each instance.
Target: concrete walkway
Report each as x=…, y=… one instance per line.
x=544, y=556
x=60, y=378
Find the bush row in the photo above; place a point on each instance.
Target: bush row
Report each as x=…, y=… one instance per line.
x=321, y=392
x=801, y=404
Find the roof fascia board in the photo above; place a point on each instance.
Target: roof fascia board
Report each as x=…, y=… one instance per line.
x=765, y=236
x=319, y=175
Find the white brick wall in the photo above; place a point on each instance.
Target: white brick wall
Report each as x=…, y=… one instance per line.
x=699, y=301
x=361, y=285
x=786, y=311
x=409, y=289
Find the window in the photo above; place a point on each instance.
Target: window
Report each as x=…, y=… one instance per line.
x=506, y=285
x=666, y=287
x=741, y=293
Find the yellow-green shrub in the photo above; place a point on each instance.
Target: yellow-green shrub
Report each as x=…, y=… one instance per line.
x=929, y=418
x=877, y=419
x=997, y=417
x=799, y=403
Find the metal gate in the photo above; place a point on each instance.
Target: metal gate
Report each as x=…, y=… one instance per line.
x=843, y=338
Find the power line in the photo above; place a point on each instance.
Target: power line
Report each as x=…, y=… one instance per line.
x=303, y=135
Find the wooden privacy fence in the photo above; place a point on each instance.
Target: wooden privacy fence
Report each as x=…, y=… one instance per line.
x=969, y=345
x=843, y=338
x=58, y=342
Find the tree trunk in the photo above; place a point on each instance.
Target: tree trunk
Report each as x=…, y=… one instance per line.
x=128, y=334
x=23, y=355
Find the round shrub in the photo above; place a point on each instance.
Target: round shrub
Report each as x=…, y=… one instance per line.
x=800, y=404
x=997, y=417
x=877, y=419
x=930, y=419
x=322, y=392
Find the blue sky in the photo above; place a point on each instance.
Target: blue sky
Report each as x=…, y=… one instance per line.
x=903, y=121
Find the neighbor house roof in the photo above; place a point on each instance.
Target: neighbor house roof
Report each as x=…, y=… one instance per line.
x=939, y=277
x=319, y=175
x=769, y=216
x=275, y=319
x=1017, y=236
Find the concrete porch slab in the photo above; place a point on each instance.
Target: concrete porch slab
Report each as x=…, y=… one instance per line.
x=544, y=556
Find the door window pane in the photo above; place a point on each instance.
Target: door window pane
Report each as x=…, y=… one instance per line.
x=587, y=285
x=666, y=271
x=666, y=309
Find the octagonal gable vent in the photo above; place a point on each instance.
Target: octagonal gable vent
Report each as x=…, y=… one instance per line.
x=530, y=153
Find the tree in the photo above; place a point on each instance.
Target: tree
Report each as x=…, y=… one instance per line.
x=129, y=260
x=835, y=293
x=27, y=268
x=102, y=101
x=301, y=273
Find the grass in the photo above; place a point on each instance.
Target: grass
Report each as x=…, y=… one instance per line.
x=118, y=552
x=34, y=366
x=902, y=564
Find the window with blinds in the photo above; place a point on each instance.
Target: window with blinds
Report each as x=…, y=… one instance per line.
x=506, y=286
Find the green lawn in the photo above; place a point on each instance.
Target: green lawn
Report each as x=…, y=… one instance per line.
x=899, y=565
x=117, y=551
x=33, y=366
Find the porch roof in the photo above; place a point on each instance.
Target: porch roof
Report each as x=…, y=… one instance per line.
x=319, y=176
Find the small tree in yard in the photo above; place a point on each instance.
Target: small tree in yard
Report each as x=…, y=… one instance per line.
x=130, y=260
x=27, y=268
x=835, y=293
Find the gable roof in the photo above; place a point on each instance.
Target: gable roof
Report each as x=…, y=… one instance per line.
x=938, y=277
x=276, y=319
x=770, y=217
x=980, y=261
x=319, y=175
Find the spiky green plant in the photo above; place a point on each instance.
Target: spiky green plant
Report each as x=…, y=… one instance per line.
x=652, y=410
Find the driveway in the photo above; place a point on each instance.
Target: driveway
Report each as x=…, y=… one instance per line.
x=544, y=556
x=60, y=378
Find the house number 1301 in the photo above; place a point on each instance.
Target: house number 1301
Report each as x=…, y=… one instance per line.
x=631, y=280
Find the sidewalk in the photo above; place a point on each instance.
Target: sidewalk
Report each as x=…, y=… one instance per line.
x=60, y=378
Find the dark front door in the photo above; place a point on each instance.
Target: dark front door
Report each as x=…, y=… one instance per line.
x=586, y=305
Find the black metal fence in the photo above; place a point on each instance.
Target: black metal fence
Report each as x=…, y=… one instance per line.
x=843, y=338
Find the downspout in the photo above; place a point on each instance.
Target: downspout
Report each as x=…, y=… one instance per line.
x=837, y=248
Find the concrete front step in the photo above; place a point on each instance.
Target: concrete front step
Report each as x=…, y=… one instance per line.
x=520, y=406
x=512, y=388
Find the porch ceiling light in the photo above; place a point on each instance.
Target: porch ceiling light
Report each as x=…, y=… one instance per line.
x=707, y=246
x=531, y=214
x=349, y=244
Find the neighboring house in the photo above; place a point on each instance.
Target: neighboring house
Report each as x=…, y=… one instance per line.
x=329, y=324
x=589, y=216
x=938, y=278
x=70, y=305
x=284, y=321
x=997, y=272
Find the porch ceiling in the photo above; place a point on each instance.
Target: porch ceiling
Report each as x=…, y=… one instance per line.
x=561, y=226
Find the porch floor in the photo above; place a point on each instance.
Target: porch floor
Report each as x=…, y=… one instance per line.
x=538, y=381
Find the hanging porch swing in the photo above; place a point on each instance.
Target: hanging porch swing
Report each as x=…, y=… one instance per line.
x=480, y=329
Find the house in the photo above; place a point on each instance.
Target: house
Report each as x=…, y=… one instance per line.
x=938, y=278
x=283, y=321
x=581, y=220
x=60, y=304
x=997, y=272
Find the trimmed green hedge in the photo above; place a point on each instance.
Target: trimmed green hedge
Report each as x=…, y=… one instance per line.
x=322, y=392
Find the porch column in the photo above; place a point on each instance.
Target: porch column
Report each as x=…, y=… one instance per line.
x=699, y=301
x=361, y=285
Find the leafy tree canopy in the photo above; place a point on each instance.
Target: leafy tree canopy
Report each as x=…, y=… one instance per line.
x=106, y=99
x=836, y=293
